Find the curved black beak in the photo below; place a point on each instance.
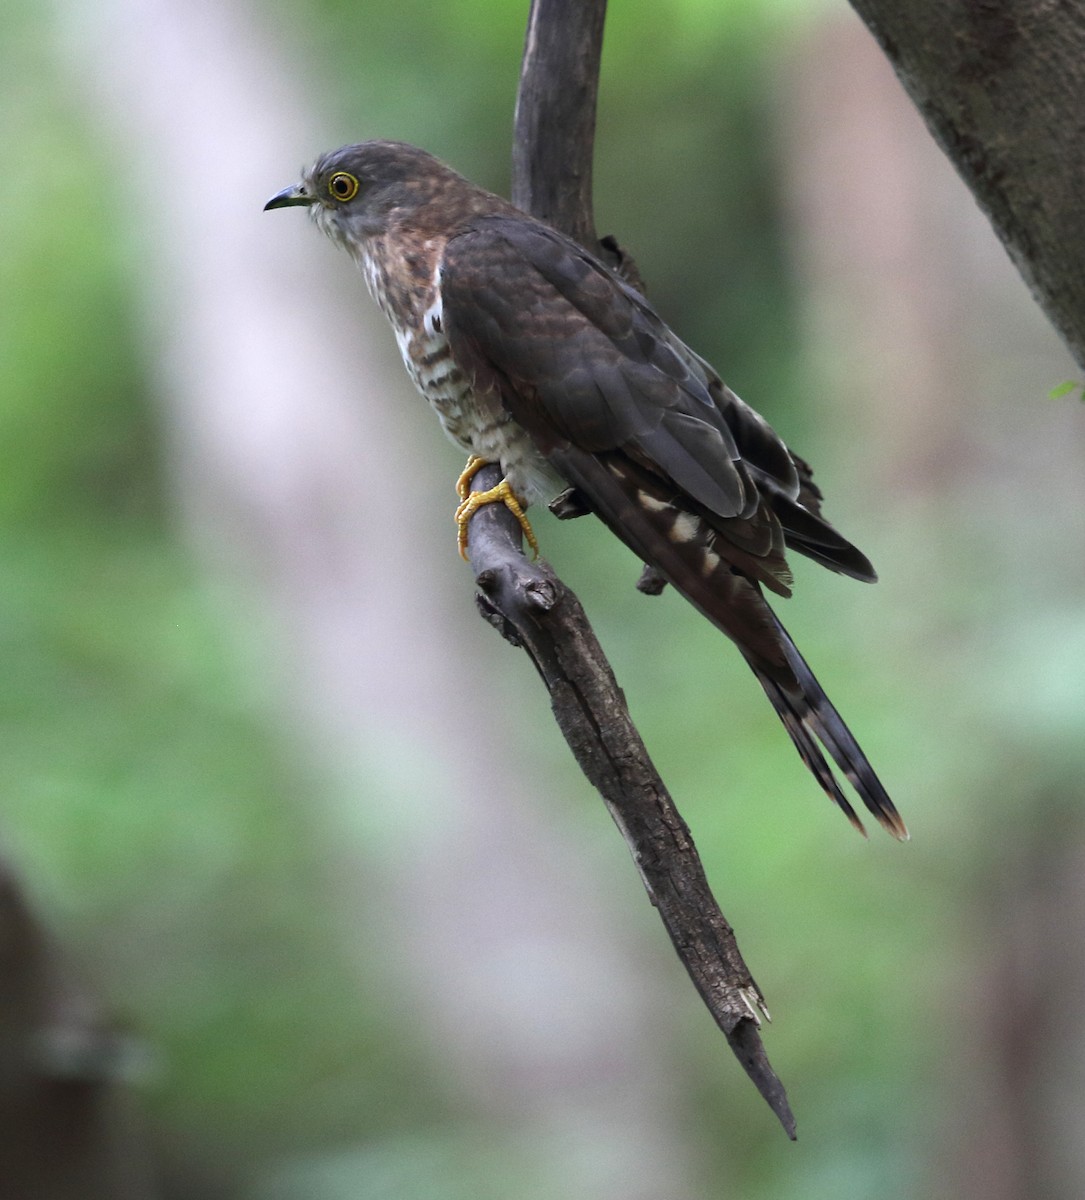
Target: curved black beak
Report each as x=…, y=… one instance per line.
x=289, y=197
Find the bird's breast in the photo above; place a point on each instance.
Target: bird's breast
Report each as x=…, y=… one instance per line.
x=475, y=420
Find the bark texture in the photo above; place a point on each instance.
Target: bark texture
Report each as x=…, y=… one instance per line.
x=555, y=114
x=999, y=86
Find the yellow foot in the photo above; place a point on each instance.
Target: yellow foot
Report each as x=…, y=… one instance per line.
x=472, y=468
x=471, y=502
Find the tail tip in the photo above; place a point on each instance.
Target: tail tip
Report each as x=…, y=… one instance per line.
x=886, y=815
x=892, y=822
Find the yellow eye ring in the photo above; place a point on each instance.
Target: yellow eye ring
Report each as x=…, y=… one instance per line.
x=342, y=187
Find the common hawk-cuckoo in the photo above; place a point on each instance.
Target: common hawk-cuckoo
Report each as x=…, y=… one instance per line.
x=538, y=357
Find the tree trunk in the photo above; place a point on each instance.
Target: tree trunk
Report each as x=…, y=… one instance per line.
x=999, y=85
x=939, y=365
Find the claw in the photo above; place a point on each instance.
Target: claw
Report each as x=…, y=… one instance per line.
x=471, y=502
x=472, y=467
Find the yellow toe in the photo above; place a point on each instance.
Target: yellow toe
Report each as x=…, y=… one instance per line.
x=473, y=501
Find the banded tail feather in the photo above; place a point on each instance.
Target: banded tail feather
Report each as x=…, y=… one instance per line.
x=810, y=717
x=698, y=559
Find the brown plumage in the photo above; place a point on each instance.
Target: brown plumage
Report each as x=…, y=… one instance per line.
x=535, y=355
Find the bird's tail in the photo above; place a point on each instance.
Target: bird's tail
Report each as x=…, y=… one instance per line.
x=684, y=549
x=810, y=718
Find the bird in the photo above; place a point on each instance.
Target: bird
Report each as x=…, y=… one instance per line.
x=538, y=357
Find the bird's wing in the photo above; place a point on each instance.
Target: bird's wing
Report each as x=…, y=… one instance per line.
x=689, y=477
x=587, y=365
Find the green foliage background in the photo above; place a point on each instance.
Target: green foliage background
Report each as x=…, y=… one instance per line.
x=148, y=799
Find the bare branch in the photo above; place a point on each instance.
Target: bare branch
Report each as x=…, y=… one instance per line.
x=533, y=609
x=555, y=114
x=554, y=132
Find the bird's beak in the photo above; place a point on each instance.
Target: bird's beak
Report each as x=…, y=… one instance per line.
x=290, y=196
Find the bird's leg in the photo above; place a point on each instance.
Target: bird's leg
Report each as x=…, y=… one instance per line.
x=569, y=504
x=651, y=582
x=471, y=502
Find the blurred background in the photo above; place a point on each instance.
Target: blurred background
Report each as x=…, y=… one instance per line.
x=301, y=895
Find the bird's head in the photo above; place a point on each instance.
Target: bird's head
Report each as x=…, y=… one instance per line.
x=355, y=192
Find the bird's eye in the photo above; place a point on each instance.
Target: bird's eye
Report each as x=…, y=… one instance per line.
x=343, y=187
